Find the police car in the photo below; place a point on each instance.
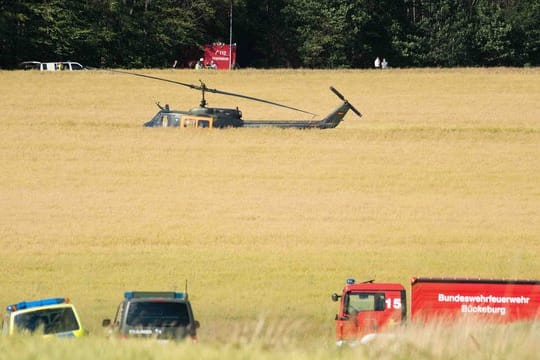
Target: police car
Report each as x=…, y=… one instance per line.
x=50, y=317
x=159, y=314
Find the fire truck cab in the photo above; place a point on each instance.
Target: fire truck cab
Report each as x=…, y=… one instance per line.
x=370, y=308
x=367, y=308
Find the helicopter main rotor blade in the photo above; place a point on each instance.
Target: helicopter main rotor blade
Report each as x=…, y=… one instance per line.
x=196, y=87
x=257, y=99
x=339, y=95
x=215, y=91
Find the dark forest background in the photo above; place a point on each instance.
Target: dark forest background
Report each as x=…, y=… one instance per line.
x=273, y=33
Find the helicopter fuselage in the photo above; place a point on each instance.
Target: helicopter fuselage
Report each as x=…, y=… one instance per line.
x=200, y=117
x=204, y=117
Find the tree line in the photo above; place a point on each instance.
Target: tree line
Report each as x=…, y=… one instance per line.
x=273, y=33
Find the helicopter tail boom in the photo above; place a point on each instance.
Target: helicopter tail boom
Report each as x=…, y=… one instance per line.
x=330, y=121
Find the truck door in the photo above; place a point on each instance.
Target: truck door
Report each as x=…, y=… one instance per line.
x=364, y=312
x=368, y=309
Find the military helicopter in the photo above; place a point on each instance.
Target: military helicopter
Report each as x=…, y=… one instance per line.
x=208, y=117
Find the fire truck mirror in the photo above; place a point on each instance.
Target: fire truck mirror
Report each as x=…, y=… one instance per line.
x=335, y=297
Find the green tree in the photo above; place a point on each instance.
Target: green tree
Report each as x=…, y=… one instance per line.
x=345, y=33
x=374, y=27
x=272, y=33
x=493, y=35
x=443, y=37
x=8, y=33
x=20, y=32
x=525, y=18
x=317, y=29
x=153, y=33
x=260, y=31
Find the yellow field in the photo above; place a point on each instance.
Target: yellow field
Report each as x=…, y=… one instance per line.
x=441, y=177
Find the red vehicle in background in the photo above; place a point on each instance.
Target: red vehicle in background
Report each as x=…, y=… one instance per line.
x=369, y=308
x=220, y=56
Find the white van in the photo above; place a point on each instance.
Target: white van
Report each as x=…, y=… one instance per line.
x=52, y=66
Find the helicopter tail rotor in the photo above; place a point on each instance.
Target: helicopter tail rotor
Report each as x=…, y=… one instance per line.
x=341, y=97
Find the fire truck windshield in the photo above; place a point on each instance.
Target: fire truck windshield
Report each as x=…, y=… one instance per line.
x=362, y=301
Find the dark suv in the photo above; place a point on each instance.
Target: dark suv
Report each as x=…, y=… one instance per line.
x=160, y=315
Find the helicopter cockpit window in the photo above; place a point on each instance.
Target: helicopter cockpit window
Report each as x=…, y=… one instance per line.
x=164, y=121
x=189, y=123
x=196, y=122
x=204, y=123
x=174, y=120
x=170, y=120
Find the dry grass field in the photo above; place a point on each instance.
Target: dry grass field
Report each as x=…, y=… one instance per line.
x=441, y=177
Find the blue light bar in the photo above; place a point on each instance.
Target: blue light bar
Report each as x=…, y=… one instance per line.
x=128, y=295
x=350, y=281
x=36, y=303
x=179, y=295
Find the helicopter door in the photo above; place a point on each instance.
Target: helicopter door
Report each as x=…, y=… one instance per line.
x=203, y=123
x=189, y=122
x=196, y=122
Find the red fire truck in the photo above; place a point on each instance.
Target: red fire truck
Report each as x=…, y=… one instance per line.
x=367, y=308
x=220, y=56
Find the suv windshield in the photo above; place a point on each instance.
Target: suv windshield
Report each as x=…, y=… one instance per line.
x=157, y=313
x=50, y=321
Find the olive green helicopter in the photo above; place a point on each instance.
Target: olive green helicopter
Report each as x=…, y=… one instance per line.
x=210, y=117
